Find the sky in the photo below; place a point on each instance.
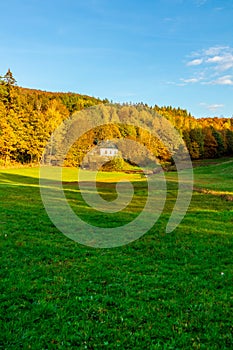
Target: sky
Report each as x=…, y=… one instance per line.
x=175, y=53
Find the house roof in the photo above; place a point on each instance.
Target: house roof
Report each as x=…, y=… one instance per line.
x=108, y=144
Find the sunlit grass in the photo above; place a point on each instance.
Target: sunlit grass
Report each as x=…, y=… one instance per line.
x=163, y=291
x=217, y=177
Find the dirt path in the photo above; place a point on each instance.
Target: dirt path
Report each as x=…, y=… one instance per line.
x=225, y=196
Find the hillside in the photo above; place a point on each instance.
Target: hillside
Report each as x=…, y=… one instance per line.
x=28, y=117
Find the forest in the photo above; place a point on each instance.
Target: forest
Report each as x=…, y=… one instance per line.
x=28, y=117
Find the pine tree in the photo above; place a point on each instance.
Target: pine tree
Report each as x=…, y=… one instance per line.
x=9, y=83
x=9, y=79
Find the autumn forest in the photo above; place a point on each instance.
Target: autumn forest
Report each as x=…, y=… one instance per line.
x=28, y=117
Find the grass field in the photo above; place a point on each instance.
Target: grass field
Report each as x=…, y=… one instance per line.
x=163, y=291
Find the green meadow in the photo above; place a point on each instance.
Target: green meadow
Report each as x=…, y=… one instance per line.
x=162, y=291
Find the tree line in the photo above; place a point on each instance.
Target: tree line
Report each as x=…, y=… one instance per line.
x=204, y=137
x=28, y=117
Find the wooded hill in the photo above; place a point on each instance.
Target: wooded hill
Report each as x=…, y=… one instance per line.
x=28, y=117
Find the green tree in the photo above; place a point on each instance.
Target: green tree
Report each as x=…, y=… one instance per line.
x=229, y=140
x=9, y=79
x=9, y=83
x=197, y=143
x=210, y=144
x=220, y=143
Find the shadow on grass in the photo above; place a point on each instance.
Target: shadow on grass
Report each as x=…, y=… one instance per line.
x=9, y=178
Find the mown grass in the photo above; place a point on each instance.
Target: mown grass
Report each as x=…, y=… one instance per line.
x=163, y=291
x=216, y=177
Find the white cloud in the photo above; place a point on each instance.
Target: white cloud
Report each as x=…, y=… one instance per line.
x=214, y=59
x=210, y=64
x=215, y=107
x=191, y=80
x=195, y=62
x=225, y=80
x=212, y=107
x=215, y=50
x=175, y=83
x=200, y=2
x=222, y=62
x=218, y=8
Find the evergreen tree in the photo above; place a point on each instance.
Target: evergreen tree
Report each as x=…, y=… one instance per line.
x=9, y=79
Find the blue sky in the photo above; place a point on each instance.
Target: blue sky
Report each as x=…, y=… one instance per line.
x=164, y=52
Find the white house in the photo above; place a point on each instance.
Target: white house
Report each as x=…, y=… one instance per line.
x=100, y=154
x=108, y=149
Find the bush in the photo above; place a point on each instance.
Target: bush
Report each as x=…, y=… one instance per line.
x=115, y=164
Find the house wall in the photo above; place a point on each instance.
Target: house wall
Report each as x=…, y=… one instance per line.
x=109, y=152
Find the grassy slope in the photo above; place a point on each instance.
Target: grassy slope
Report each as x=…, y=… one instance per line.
x=216, y=177
x=164, y=291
